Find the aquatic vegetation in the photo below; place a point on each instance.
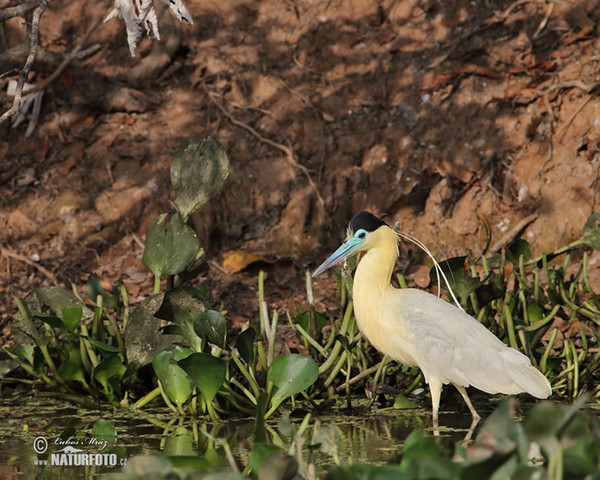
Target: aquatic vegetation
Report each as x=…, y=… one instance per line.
x=175, y=345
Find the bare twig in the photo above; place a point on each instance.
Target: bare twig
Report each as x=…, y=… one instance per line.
x=287, y=150
x=34, y=35
x=514, y=232
x=18, y=10
x=561, y=132
x=69, y=58
x=17, y=256
x=544, y=22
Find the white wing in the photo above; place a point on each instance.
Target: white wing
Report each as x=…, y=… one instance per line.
x=455, y=348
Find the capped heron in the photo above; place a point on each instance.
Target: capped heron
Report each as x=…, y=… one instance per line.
x=420, y=329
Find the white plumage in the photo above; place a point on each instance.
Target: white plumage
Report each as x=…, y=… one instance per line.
x=419, y=329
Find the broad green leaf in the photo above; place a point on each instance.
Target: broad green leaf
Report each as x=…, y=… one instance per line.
x=71, y=369
x=51, y=320
x=173, y=378
x=245, y=344
x=507, y=434
x=303, y=319
x=491, y=290
x=72, y=316
x=212, y=326
x=181, y=306
x=206, y=371
x=199, y=167
x=55, y=298
x=534, y=312
x=460, y=280
x=143, y=338
x=110, y=367
x=172, y=251
x=179, y=442
x=21, y=351
x=291, y=373
x=403, y=402
x=518, y=248
x=103, y=431
x=591, y=232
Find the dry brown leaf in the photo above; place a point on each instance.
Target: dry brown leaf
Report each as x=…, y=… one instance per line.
x=236, y=261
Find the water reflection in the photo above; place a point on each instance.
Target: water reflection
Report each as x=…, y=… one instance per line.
x=368, y=438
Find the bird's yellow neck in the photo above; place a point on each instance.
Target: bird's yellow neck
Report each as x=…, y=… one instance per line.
x=377, y=264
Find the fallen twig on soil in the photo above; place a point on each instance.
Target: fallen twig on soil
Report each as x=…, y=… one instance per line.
x=5, y=252
x=561, y=132
x=513, y=233
x=287, y=150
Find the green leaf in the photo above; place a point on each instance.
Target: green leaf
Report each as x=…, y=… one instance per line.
x=534, y=312
x=199, y=167
x=212, y=326
x=460, y=280
x=104, y=431
x=303, y=319
x=245, y=344
x=518, y=248
x=507, y=435
x=206, y=371
x=72, y=316
x=172, y=251
x=591, y=231
x=101, y=345
x=173, y=378
x=71, y=369
x=182, y=305
x=143, y=338
x=402, y=402
x=291, y=373
x=180, y=443
x=52, y=320
x=491, y=290
x=55, y=298
x=110, y=367
x=21, y=351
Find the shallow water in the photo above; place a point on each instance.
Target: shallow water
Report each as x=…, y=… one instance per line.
x=30, y=424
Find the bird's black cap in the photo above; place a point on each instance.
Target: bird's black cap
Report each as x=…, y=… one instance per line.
x=365, y=220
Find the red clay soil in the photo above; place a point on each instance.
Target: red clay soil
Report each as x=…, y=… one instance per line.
x=460, y=119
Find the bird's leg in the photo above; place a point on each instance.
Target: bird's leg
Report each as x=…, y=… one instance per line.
x=467, y=400
x=435, y=387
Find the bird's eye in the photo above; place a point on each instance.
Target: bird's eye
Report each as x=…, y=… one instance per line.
x=362, y=234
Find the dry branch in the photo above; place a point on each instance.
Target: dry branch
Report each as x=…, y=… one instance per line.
x=33, y=36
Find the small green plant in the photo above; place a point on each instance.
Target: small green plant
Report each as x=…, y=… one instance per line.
x=85, y=353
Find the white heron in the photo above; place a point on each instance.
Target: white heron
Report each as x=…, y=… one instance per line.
x=421, y=330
